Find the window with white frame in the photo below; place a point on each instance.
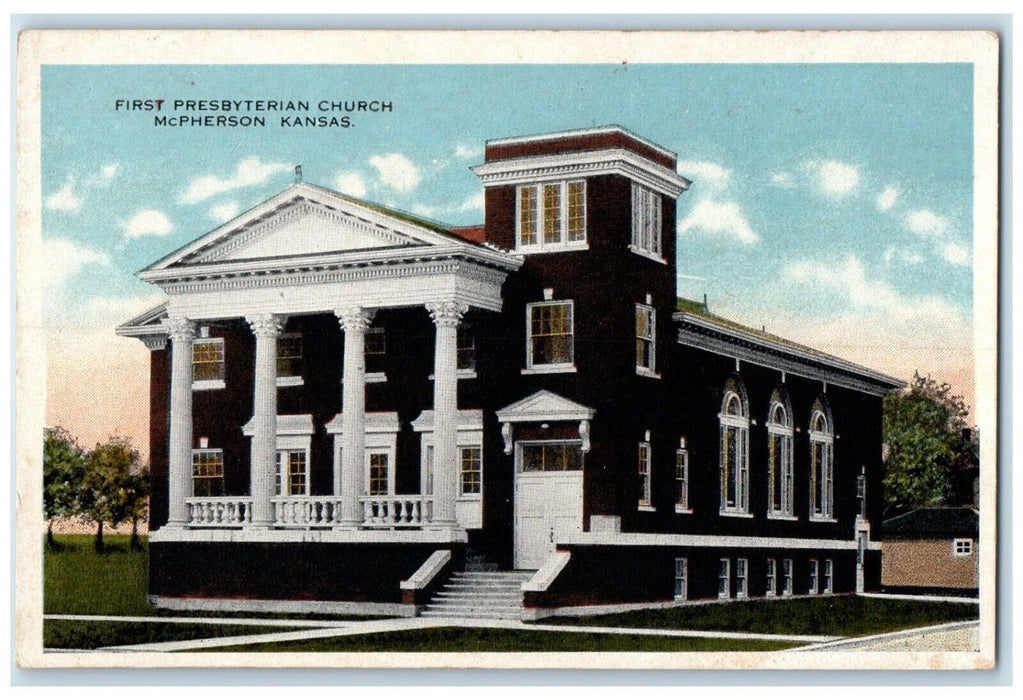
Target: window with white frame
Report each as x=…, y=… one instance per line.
x=829, y=575
x=292, y=478
x=962, y=547
x=682, y=480
x=646, y=318
x=861, y=495
x=208, y=363
x=470, y=479
x=724, y=578
x=379, y=466
x=786, y=577
x=771, y=584
x=375, y=350
x=289, y=356
x=465, y=354
x=551, y=216
x=208, y=472
x=644, y=474
x=779, y=455
x=551, y=335
x=681, y=576
x=734, y=457
x=812, y=589
x=646, y=221
x=550, y=455
x=822, y=477
x=741, y=578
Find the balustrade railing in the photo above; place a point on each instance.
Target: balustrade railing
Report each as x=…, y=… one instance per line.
x=396, y=511
x=219, y=511
x=306, y=511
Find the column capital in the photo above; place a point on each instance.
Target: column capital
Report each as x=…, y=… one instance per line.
x=179, y=328
x=155, y=341
x=354, y=318
x=447, y=313
x=268, y=325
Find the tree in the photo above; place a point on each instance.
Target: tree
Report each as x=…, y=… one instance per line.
x=63, y=473
x=109, y=495
x=927, y=441
x=137, y=502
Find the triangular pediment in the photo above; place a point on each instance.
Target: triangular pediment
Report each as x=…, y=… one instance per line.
x=544, y=405
x=305, y=220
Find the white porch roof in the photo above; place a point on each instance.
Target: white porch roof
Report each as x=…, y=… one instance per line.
x=544, y=405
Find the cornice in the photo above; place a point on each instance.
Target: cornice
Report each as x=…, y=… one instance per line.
x=610, y=161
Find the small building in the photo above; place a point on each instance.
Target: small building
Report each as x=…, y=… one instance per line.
x=931, y=550
x=352, y=406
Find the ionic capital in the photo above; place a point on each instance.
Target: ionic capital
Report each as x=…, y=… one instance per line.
x=354, y=318
x=447, y=313
x=179, y=329
x=267, y=325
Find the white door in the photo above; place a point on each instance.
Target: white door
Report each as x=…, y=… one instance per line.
x=547, y=503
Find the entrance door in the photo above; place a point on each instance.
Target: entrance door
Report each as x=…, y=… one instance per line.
x=548, y=498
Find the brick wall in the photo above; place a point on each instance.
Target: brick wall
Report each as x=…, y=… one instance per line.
x=928, y=564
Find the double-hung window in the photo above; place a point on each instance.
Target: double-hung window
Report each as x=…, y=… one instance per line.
x=741, y=578
x=786, y=577
x=470, y=481
x=207, y=472
x=208, y=363
x=682, y=480
x=379, y=481
x=822, y=477
x=644, y=474
x=724, y=576
x=646, y=222
x=292, y=473
x=681, y=574
x=813, y=590
x=734, y=456
x=771, y=586
x=829, y=575
x=646, y=318
x=779, y=456
x=551, y=216
x=289, y=359
x=550, y=345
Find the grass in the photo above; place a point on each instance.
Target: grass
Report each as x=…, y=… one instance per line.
x=87, y=634
x=79, y=581
x=840, y=616
x=475, y=640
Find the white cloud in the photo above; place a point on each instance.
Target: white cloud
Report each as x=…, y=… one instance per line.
x=834, y=178
x=248, y=173
x=351, y=184
x=886, y=200
x=396, y=171
x=65, y=199
x=148, y=222
x=718, y=220
x=111, y=170
x=782, y=179
x=925, y=222
x=225, y=211
x=705, y=173
x=910, y=257
x=956, y=254
x=65, y=259
x=475, y=202
x=467, y=152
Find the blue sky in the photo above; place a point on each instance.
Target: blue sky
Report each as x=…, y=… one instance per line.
x=831, y=203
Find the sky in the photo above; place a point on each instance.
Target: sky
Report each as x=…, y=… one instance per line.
x=831, y=204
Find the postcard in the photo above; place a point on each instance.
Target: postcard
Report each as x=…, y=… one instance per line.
x=487, y=349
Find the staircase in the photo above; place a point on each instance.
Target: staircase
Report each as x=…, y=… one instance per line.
x=480, y=594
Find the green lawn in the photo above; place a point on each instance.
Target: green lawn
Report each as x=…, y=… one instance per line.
x=460, y=639
x=78, y=581
x=87, y=634
x=840, y=616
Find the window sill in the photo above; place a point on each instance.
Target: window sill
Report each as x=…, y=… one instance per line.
x=550, y=369
x=683, y=511
x=376, y=377
x=469, y=498
x=644, y=372
x=290, y=381
x=648, y=255
x=208, y=384
x=460, y=374
x=782, y=516
x=552, y=248
x=734, y=514
x=645, y=508
x=822, y=519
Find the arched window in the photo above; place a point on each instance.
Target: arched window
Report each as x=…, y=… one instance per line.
x=779, y=454
x=734, y=418
x=822, y=462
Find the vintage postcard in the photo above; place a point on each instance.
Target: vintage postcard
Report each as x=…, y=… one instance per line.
x=507, y=349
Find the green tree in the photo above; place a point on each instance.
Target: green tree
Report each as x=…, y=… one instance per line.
x=137, y=502
x=109, y=495
x=926, y=443
x=63, y=473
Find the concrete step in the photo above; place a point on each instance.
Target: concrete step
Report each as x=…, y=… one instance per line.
x=480, y=594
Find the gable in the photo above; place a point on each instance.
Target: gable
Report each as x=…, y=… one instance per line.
x=544, y=405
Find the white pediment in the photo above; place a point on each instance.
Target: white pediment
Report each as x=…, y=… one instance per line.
x=544, y=405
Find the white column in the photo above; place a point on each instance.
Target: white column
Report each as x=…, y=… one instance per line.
x=262, y=469
x=181, y=332
x=446, y=317
x=354, y=322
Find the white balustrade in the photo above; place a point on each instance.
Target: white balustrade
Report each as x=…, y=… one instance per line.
x=219, y=511
x=396, y=511
x=307, y=511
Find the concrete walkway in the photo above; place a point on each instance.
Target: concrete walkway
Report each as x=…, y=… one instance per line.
x=323, y=629
x=952, y=636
